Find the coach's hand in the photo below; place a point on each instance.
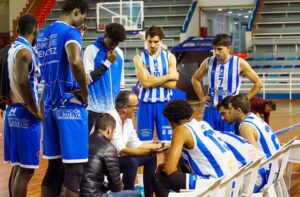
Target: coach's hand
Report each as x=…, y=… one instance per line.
x=161, y=147
x=111, y=56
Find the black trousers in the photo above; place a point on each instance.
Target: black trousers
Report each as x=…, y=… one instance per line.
x=162, y=183
x=92, y=117
x=129, y=165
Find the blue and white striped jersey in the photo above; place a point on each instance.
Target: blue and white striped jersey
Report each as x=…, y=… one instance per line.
x=102, y=93
x=158, y=66
x=267, y=140
x=223, y=79
x=243, y=151
x=210, y=157
x=55, y=67
x=34, y=73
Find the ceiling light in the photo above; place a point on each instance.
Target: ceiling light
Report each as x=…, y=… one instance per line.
x=246, y=16
x=239, y=14
x=219, y=9
x=230, y=12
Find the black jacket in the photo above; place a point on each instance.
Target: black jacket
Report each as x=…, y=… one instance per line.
x=103, y=160
x=4, y=79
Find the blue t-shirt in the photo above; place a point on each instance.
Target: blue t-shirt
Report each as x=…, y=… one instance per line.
x=55, y=68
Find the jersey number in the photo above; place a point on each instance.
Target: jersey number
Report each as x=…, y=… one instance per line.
x=209, y=134
x=273, y=136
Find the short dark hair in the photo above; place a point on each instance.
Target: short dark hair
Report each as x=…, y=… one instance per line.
x=26, y=24
x=103, y=121
x=69, y=5
x=178, y=110
x=122, y=99
x=240, y=101
x=221, y=40
x=116, y=32
x=154, y=31
x=224, y=102
x=272, y=104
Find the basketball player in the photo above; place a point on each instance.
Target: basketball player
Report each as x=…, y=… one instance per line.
x=205, y=154
x=245, y=153
x=224, y=79
x=156, y=70
x=22, y=119
x=251, y=127
x=223, y=107
x=104, y=65
x=65, y=100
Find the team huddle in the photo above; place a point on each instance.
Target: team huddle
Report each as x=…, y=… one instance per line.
x=86, y=115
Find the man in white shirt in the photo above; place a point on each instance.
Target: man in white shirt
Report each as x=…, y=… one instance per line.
x=132, y=152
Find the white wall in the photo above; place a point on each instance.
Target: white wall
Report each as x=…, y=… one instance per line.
x=14, y=10
x=224, y=3
x=193, y=28
x=4, y=18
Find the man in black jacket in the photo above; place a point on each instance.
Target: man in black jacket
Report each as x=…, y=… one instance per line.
x=4, y=80
x=103, y=161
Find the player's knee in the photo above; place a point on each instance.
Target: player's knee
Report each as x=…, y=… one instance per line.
x=133, y=162
x=153, y=158
x=73, y=176
x=157, y=179
x=54, y=174
x=25, y=172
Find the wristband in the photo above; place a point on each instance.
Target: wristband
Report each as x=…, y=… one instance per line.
x=107, y=63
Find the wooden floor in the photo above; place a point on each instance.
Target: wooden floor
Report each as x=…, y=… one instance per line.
x=286, y=115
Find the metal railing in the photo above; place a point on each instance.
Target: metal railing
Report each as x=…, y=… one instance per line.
x=275, y=83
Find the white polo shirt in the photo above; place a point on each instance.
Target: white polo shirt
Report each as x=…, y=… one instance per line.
x=125, y=134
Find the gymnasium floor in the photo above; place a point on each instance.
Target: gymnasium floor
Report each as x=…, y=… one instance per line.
x=285, y=120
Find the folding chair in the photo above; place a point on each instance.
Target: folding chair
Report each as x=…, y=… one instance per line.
x=231, y=184
x=209, y=191
x=250, y=176
x=279, y=184
x=293, y=158
x=289, y=142
x=269, y=189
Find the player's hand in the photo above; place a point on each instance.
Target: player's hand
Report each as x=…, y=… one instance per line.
x=111, y=56
x=39, y=115
x=205, y=99
x=174, y=76
x=81, y=94
x=84, y=96
x=36, y=113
